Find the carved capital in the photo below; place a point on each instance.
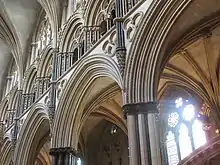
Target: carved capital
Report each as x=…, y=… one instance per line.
x=140, y=108
x=63, y=150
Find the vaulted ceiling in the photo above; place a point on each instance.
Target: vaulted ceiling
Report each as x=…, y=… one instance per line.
x=196, y=67
x=17, y=20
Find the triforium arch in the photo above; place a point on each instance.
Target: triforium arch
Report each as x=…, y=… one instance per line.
x=30, y=79
x=93, y=69
x=100, y=13
x=33, y=134
x=71, y=33
x=45, y=64
x=146, y=61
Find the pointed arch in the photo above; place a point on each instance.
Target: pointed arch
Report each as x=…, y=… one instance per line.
x=145, y=62
x=4, y=108
x=71, y=31
x=6, y=152
x=30, y=78
x=33, y=134
x=45, y=62
x=77, y=89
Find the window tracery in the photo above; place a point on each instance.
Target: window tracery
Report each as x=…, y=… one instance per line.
x=106, y=16
x=184, y=130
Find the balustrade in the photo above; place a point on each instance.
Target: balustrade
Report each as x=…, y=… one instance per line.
x=92, y=35
x=27, y=101
x=42, y=84
x=65, y=61
x=10, y=117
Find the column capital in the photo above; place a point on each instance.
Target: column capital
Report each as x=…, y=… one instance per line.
x=140, y=108
x=63, y=150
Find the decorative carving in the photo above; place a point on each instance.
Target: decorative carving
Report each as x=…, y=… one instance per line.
x=131, y=24
x=63, y=150
x=121, y=56
x=109, y=46
x=60, y=86
x=145, y=108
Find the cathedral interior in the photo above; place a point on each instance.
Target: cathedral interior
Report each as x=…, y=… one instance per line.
x=109, y=82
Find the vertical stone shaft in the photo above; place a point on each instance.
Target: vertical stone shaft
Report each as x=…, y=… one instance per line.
x=120, y=45
x=52, y=103
x=142, y=136
x=63, y=156
x=16, y=122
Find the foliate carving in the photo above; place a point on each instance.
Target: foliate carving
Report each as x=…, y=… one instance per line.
x=121, y=57
x=130, y=25
x=109, y=46
x=60, y=34
x=51, y=113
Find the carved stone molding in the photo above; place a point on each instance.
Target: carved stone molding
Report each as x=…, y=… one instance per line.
x=109, y=46
x=140, y=108
x=63, y=150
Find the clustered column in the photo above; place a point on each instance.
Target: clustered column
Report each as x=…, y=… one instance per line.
x=52, y=103
x=142, y=134
x=120, y=45
x=63, y=156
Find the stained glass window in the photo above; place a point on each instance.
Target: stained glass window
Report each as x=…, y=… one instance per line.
x=172, y=149
x=198, y=134
x=185, y=131
x=188, y=112
x=184, y=141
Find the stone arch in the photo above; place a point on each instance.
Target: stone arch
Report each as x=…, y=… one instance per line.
x=6, y=152
x=71, y=32
x=14, y=99
x=97, y=9
x=90, y=69
x=45, y=63
x=145, y=62
x=30, y=78
x=183, y=86
x=34, y=132
x=103, y=112
x=4, y=108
